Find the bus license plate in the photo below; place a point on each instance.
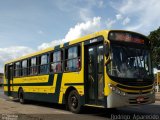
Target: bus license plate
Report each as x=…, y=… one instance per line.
x=140, y=99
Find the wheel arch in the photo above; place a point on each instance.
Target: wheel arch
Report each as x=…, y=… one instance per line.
x=66, y=94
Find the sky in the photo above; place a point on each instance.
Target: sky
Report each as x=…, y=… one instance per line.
x=30, y=25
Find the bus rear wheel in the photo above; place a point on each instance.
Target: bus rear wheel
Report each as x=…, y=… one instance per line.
x=21, y=96
x=74, y=102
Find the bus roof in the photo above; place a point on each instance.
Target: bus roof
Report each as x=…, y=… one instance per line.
x=78, y=40
x=81, y=39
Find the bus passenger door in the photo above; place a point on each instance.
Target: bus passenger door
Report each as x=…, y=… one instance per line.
x=94, y=69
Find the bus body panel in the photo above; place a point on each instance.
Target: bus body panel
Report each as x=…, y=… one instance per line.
x=52, y=87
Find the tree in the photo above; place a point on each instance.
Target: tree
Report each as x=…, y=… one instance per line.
x=154, y=36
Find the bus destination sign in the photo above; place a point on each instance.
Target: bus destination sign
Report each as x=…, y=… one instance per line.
x=126, y=37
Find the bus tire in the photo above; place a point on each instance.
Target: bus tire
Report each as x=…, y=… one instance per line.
x=74, y=102
x=21, y=96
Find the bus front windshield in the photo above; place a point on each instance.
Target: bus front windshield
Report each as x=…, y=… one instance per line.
x=127, y=62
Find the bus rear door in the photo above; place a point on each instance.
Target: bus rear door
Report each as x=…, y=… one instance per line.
x=9, y=78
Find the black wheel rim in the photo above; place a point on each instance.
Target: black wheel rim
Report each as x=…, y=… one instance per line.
x=74, y=101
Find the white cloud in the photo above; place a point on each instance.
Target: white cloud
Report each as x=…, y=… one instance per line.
x=83, y=10
x=134, y=27
x=110, y=23
x=126, y=21
x=77, y=31
x=119, y=17
x=144, y=14
x=85, y=14
x=84, y=28
x=53, y=43
x=11, y=53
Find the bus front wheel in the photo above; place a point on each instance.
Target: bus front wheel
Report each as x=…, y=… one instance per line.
x=74, y=102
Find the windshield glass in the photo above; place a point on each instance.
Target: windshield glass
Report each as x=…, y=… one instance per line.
x=127, y=62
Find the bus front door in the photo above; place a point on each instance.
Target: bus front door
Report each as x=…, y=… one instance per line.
x=94, y=72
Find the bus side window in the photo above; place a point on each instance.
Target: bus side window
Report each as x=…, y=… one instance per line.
x=56, y=62
x=17, y=69
x=33, y=66
x=72, y=60
x=24, y=67
x=44, y=64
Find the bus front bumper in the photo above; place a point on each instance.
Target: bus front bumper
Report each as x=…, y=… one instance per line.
x=115, y=100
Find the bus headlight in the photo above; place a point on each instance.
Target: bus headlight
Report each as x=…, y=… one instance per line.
x=116, y=90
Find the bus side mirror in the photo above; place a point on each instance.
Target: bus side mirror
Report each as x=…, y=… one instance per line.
x=106, y=49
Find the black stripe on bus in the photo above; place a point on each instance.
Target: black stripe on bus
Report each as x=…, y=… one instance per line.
x=50, y=97
x=73, y=84
x=49, y=83
x=58, y=86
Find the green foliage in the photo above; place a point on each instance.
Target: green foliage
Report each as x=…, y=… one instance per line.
x=154, y=36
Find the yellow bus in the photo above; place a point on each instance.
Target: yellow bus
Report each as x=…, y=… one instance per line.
x=108, y=69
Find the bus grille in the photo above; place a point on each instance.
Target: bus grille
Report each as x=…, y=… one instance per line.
x=133, y=88
x=136, y=91
x=134, y=100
